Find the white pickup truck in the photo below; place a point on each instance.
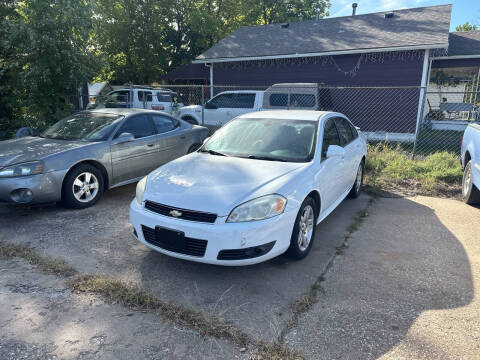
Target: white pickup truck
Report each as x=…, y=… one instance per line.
x=222, y=108
x=470, y=158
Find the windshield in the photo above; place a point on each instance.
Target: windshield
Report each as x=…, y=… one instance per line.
x=84, y=126
x=265, y=139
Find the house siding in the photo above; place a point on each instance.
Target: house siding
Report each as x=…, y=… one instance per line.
x=389, y=110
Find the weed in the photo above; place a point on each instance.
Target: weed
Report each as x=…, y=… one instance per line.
x=44, y=263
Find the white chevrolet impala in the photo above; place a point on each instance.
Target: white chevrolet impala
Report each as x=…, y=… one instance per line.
x=254, y=190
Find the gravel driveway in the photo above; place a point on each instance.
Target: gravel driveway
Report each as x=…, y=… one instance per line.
x=403, y=288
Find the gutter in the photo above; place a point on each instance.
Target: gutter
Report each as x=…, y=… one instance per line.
x=326, y=53
x=456, y=57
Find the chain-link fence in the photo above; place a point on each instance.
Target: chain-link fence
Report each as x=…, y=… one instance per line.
x=418, y=121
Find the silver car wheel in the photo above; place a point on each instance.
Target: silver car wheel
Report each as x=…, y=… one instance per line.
x=358, y=180
x=85, y=187
x=467, y=181
x=305, y=230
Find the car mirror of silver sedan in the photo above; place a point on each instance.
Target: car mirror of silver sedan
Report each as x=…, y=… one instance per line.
x=335, y=151
x=124, y=138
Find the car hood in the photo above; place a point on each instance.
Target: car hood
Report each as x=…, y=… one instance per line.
x=215, y=184
x=193, y=108
x=33, y=148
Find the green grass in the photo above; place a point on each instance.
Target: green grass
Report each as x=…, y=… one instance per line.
x=388, y=167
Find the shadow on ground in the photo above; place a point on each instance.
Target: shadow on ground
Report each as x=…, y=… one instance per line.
x=404, y=262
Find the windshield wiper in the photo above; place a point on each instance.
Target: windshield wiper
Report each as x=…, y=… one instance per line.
x=268, y=158
x=213, y=152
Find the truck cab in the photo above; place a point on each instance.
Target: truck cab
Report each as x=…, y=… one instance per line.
x=223, y=107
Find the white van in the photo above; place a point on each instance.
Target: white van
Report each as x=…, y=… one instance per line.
x=141, y=98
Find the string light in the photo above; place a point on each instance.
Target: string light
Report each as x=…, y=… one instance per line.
x=375, y=58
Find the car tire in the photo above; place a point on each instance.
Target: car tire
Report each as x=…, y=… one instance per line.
x=357, y=185
x=193, y=148
x=82, y=187
x=470, y=193
x=304, y=230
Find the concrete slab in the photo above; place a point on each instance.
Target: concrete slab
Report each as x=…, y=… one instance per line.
x=406, y=288
x=41, y=319
x=256, y=298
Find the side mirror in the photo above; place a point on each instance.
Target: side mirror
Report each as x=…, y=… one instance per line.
x=124, y=138
x=210, y=105
x=206, y=139
x=335, y=151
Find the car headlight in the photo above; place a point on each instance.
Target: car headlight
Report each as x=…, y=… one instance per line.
x=258, y=209
x=25, y=169
x=140, y=190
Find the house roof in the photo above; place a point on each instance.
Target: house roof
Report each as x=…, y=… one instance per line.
x=464, y=43
x=420, y=28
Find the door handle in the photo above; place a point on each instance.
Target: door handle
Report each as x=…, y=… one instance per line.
x=182, y=137
x=150, y=145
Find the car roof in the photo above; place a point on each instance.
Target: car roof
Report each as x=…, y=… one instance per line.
x=288, y=114
x=123, y=111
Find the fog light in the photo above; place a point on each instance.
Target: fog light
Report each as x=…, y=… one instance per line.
x=22, y=196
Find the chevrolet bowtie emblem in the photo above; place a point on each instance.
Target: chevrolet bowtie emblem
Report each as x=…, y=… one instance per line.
x=175, y=213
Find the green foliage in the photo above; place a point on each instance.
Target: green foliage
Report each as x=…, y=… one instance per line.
x=386, y=166
x=45, y=55
x=50, y=48
x=466, y=27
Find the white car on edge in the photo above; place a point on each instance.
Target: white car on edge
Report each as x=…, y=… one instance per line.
x=254, y=190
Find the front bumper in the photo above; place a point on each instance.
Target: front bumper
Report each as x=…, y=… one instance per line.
x=44, y=187
x=220, y=235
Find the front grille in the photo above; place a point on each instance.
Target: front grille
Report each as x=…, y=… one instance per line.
x=185, y=214
x=193, y=247
x=246, y=253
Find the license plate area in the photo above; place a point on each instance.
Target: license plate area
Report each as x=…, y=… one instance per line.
x=171, y=239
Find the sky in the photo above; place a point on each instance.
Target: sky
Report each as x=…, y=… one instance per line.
x=462, y=11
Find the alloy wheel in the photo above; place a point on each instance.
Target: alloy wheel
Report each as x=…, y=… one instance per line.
x=467, y=181
x=85, y=187
x=306, y=225
x=358, y=180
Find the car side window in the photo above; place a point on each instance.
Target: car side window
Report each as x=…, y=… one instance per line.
x=163, y=124
x=330, y=137
x=144, y=96
x=223, y=101
x=243, y=101
x=344, y=131
x=354, y=131
x=140, y=126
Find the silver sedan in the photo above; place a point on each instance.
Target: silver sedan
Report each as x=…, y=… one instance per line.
x=79, y=157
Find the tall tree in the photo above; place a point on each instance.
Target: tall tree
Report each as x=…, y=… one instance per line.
x=46, y=56
x=466, y=27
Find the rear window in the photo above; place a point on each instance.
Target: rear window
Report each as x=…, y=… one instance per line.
x=302, y=100
x=296, y=100
x=278, y=99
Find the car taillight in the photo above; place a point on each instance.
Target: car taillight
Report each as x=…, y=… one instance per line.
x=158, y=107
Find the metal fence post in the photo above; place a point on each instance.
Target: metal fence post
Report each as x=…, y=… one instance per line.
x=423, y=91
x=203, y=105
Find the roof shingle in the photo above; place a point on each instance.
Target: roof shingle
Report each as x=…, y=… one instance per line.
x=464, y=43
x=427, y=26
